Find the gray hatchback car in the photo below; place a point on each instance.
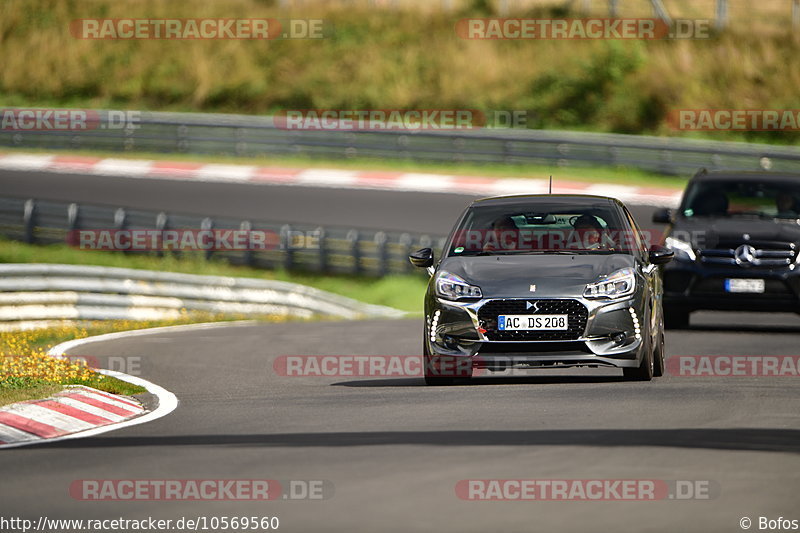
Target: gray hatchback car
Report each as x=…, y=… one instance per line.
x=543, y=281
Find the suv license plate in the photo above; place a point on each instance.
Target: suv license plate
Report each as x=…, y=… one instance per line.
x=745, y=285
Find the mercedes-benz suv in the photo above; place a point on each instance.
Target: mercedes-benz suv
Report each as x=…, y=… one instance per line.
x=735, y=237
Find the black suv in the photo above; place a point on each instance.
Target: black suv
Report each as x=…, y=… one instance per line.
x=735, y=237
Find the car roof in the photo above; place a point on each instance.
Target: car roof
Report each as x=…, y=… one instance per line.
x=742, y=175
x=578, y=200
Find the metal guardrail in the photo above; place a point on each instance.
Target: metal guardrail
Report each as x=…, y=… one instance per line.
x=241, y=135
x=297, y=247
x=35, y=293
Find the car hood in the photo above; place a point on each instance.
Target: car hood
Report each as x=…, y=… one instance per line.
x=730, y=232
x=511, y=276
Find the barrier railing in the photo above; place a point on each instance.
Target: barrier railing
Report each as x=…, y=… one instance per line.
x=240, y=135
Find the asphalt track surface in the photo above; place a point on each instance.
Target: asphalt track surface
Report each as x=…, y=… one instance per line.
x=416, y=212
x=394, y=449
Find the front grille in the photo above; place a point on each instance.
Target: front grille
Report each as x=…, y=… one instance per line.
x=763, y=255
x=578, y=314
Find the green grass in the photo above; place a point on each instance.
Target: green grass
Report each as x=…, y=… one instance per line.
x=600, y=174
x=403, y=292
x=21, y=390
x=401, y=59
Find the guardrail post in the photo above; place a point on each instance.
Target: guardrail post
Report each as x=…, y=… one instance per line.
x=72, y=217
x=207, y=225
x=383, y=256
x=120, y=219
x=182, y=143
x=425, y=241
x=162, y=221
x=247, y=254
x=355, y=250
x=322, y=240
x=29, y=219
x=286, y=245
x=405, y=247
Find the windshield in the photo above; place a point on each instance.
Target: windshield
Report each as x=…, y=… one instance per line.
x=743, y=198
x=519, y=229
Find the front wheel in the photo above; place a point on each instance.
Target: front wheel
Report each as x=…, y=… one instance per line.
x=645, y=371
x=444, y=371
x=658, y=354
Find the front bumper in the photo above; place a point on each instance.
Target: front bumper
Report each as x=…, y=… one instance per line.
x=607, y=333
x=692, y=286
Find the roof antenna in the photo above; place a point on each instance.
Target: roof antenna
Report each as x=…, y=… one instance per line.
x=551, y=184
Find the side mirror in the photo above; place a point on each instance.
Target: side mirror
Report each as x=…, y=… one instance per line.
x=662, y=216
x=422, y=258
x=660, y=255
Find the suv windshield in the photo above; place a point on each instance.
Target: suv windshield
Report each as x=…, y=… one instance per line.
x=742, y=198
x=518, y=229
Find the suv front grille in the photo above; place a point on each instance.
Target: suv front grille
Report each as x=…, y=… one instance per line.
x=577, y=312
x=763, y=255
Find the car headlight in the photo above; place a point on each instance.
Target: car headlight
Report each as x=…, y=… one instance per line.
x=452, y=287
x=616, y=285
x=683, y=250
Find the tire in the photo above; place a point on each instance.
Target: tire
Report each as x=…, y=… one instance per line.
x=676, y=318
x=658, y=356
x=644, y=372
x=432, y=378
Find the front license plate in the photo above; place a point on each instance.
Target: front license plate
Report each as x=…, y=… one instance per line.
x=532, y=322
x=744, y=285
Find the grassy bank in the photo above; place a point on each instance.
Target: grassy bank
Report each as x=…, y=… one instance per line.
x=26, y=372
x=389, y=59
x=400, y=291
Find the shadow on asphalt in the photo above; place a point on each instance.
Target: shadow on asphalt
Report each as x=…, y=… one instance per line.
x=740, y=328
x=483, y=381
x=745, y=439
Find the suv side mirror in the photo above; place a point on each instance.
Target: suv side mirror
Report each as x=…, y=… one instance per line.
x=660, y=255
x=662, y=216
x=422, y=258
